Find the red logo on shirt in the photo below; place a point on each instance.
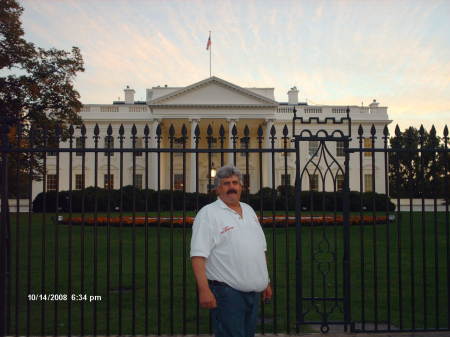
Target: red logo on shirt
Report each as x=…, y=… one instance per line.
x=226, y=229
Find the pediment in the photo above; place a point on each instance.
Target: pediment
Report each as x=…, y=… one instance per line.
x=213, y=91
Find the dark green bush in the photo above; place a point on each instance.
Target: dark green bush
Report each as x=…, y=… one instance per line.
x=133, y=198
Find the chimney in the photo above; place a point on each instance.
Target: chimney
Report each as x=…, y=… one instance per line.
x=293, y=96
x=374, y=104
x=129, y=95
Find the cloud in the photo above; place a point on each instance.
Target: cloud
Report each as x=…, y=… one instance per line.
x=341, y=52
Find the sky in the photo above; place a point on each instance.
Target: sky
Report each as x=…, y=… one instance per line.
x=337, y=52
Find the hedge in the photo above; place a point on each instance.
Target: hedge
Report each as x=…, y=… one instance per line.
x=314, y=201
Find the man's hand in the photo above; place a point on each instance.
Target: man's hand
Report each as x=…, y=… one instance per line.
x=267, y=293
x=207, y=299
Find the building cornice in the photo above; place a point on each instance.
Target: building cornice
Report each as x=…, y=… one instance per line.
x=209, y=106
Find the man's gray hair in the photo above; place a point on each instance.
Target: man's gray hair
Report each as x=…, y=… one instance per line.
x=226, y=172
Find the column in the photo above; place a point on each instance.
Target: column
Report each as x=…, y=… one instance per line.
x=267, y=169
x=231, y=122
x=193, y=168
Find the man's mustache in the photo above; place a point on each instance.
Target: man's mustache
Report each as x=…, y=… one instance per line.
x=231, y=191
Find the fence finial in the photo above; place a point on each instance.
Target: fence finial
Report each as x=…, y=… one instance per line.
x=197, y=132
x=433, y=131
x=273, y=131
x=285, y=131
x=246, y=131
x=260, y=132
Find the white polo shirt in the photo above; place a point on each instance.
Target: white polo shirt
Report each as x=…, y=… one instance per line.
x=233, y=246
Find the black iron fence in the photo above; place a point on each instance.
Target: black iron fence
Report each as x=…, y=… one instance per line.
x=104, y=246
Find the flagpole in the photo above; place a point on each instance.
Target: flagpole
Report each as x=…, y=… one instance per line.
x=210, y=47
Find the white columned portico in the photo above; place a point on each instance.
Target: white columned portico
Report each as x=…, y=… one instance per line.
x=153, y=178
x=193, y=169
x=267, y=178
x=231, y=123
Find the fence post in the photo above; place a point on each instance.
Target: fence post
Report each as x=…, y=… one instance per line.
x=346, y=218
x=3, y=228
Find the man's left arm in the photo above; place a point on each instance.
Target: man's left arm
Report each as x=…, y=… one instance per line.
x=267, y=293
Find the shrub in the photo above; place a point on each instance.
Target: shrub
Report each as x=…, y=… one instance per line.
x=315, y=201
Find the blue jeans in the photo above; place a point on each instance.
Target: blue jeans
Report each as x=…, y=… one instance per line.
x=236, y=312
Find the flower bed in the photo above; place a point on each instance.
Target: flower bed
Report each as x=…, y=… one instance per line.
x=278, y=220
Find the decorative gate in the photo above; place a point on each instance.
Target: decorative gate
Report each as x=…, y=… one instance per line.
x=322, y=255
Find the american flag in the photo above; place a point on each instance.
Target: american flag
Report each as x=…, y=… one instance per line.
x=208, y=44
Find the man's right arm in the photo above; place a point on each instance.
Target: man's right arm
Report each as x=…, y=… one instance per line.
x=206, y=297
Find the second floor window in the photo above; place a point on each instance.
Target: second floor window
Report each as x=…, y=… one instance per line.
x=138, y=146
x=313, y=145
x=288, y=146
x=79, y=145
x=340, y=149
x=367, y=145
x=109, y=144
x=244, y=146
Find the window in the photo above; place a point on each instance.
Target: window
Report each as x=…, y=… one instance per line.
x=139, y=146
x=178, y=181
x=178, y=144
x=367, y=145
x=79, y=145
x=313, y=146
x=54, y=144
x=214, y=145
x=368, y=182
x=244, y=146
x=109, y=144
x=246, y=181
x=79, y=182
x=313, y=182
x=339, y=182
x=138, y=181
x=110, y=183
x=288, y=146
x=51, y=182
x=285, y=179
x=340, y=148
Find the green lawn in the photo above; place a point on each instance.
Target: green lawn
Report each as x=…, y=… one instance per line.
x=318, y=244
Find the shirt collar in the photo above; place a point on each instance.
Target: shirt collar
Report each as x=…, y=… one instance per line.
x=223, y=204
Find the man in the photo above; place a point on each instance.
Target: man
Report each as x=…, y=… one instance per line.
x=228, y=258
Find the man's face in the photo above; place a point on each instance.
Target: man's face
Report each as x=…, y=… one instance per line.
x=229, y=189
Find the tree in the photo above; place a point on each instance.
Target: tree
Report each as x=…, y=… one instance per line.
x=38, y=84
x=414, y=173
x=37, y=97
x=36, y=91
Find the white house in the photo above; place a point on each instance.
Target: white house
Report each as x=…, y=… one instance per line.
x=215, y=102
